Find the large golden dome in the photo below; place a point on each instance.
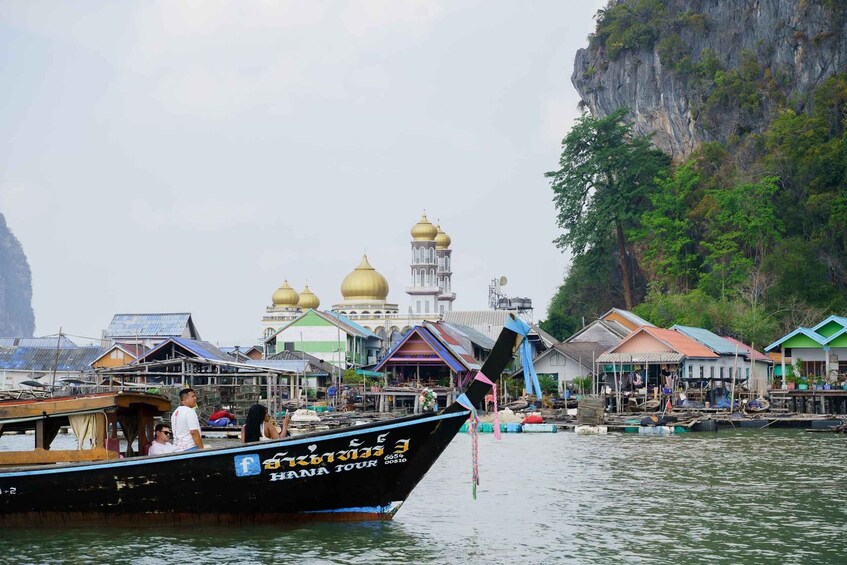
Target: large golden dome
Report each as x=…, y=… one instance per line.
x=424, y=230
x=308, y=299
x=442, y=240
x=285, y=296
x=364, y=283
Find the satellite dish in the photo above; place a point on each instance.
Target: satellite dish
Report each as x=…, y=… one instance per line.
x=503, y=281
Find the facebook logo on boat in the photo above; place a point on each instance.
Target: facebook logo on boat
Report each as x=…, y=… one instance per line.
x=246, y=465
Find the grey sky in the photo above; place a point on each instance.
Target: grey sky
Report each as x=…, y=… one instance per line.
x=189, y=156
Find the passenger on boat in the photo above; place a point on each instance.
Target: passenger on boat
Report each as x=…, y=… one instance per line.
x=161, y=440
x=260, y=427
x=185, y=423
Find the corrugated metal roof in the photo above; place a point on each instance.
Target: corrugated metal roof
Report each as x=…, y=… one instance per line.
x=582, y=351
x=288, y=365
x=487, y=322
x=646, y=357
x=745, y=349
x=46, y=359
x=711, y=340
x=363, y=331
x=675, y=340
x=437, y=347
x=607, y=332
x=316, y=362
x=201, y=349
x=463, y=351
x=632, y=317
x=477, y=338
x=46, y=342
x=817, y=338
x=149, y=325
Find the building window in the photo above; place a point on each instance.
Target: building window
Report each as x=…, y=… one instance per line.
x=417, y=255
x=721, y=372
x=419, y=306
x=441, y=309
x=711, y=372
x=701, y=371
x=691, y=371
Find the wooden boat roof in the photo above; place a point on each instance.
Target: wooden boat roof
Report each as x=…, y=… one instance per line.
x=20, y=410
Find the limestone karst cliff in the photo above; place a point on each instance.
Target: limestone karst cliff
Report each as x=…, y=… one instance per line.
x=16, y=315
x=709, y=70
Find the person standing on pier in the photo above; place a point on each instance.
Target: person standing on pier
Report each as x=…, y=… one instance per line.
x=161, y=442
x=185, y=423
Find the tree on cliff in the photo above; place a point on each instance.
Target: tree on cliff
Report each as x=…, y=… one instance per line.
x=606, y=175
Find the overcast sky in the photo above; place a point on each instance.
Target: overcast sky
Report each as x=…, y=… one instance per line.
x=189, y=156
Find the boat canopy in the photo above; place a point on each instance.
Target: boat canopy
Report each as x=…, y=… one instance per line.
x=95, y=420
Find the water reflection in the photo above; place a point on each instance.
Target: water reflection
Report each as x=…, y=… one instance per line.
x=733, y=497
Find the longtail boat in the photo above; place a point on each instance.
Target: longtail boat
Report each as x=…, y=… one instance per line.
x=363, y=472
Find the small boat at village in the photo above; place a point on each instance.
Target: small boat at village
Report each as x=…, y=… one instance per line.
x=756, y=405
x=363, y=472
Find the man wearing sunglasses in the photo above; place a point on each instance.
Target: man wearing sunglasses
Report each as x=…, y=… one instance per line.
x=162, y=440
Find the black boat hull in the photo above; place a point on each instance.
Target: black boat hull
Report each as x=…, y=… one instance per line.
x=361, y=473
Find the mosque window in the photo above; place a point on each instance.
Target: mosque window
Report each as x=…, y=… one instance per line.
x=417, y=255
x=419, y=306
x=432, y=275
x=426, y=278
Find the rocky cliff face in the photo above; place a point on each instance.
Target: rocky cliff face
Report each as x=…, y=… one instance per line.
x=16, y=315
x=708, y=70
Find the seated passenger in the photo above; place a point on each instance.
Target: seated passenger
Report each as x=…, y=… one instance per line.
x=161, y=440
x=260, y=427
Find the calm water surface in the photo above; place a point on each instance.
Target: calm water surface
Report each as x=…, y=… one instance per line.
x=747, y=496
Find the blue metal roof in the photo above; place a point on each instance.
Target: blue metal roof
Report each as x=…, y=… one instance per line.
x=711, y=340
x=54, y=342
x=46, y=359
x=150, y=325
x=202, y=349
x=841, y=320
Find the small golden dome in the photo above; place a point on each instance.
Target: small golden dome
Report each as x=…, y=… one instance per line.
x=285, y=296
x=308, y=299
x=424, y=230
x=364, y=283
x=442, y=240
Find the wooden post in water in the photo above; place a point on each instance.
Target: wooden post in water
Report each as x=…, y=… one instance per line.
x=732, y=387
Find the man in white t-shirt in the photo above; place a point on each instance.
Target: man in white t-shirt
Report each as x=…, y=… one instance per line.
x=161, y=442
x=185, y=424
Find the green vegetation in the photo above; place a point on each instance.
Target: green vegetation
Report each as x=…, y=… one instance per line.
x=606, y=177
x=747, y=238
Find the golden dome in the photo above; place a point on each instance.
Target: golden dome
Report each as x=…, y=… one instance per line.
x=424, y=230
x=285, y=296
x=364, y=283
x=442, y=240
x=308, y=299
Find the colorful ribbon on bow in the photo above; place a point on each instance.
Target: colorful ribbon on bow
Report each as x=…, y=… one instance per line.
x=530, y=376
x=473, y=430
x=482, y=378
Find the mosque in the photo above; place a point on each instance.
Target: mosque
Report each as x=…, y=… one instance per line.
x=365, y=292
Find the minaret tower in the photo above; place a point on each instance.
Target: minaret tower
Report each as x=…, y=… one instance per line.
x=444, y=273
x=424, y=290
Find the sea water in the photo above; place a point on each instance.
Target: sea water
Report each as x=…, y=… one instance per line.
x=746, y=496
